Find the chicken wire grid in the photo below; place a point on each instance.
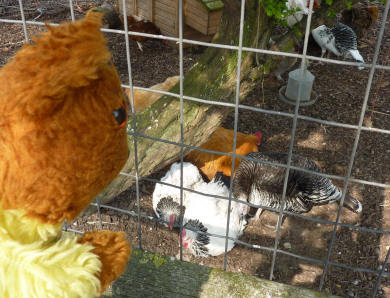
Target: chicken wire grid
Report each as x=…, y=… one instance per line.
x=27, y=9
x=34, y=9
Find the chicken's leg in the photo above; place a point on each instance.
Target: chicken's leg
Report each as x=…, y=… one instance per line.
x=140, y=46
x=323, y=51
x=274, y=228
x=254, y=214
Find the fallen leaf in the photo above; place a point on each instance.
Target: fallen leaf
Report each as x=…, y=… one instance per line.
x=368, y=122
x=383, y=84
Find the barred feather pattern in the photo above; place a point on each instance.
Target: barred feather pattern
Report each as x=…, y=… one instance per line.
x=199, y=245
x=262, y=184
x=345, y=38
x=341, y=40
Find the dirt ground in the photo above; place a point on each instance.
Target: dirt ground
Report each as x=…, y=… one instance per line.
x=341, y=92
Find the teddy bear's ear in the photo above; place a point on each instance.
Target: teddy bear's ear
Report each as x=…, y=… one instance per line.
x=60, y=62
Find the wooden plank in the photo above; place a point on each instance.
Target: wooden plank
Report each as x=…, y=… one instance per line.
x=215, y=18
x=194, y=23
x=212, y=30
x=214, y=22
x=165, y=14
x=164, y=20
x=164, y=27
x=170, y=3
x=143, y=9
x=196, y=19
x=143, y=13
x=129, y=6
x=151, y=10
x=161, y=7
x=201, y=24
x=196, y=4
x=177, y=18
x=153, y=275
x=214, y=15
x=143, y=5
x=191, y=33
x=136, y=7
x=208, y=22
x=197, y=14
x=167, y=31
x=191, y=10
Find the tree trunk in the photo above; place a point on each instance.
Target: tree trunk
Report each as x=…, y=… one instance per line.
x=213, y=77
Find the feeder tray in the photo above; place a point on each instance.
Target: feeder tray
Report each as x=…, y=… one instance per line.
x=299, y=84
x=303, y=103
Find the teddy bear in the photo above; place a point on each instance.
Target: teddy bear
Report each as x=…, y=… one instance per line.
x=63, y=117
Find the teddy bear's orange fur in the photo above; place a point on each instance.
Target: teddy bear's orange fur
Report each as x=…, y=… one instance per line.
x=60, y=144
x=112, y=251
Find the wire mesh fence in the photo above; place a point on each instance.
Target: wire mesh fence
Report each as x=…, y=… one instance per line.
x=28, y=12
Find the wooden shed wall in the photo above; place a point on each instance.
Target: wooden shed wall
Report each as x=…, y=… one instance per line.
x=200, y=19
x=163, y=13
x=130, y=7
x=166, y=16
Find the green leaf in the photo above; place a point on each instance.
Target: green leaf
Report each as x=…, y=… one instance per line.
x=331, y=13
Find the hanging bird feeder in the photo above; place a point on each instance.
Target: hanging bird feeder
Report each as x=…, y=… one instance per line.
x=289, y=93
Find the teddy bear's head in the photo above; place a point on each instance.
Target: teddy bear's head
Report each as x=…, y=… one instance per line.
x=63, y=120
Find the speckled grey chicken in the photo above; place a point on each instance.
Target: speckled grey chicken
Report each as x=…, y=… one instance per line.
x=262, y=184
x=341, y=40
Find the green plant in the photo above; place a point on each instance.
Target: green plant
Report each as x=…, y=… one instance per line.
x=277, y=11
x=348, y=5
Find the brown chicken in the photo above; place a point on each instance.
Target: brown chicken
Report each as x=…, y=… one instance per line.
x=144, y=99
x=139, y=25
x=112, y=20
x=360, y=17
x=222, y=140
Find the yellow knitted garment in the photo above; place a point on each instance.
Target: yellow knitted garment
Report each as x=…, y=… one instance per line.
x=35, y=262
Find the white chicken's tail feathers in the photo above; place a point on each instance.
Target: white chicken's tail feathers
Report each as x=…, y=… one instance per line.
x=191, y=175
x=356, y=55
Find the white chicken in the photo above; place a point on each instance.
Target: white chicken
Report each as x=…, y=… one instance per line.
x=166, y=199
x=302, y=7
x=209, y=214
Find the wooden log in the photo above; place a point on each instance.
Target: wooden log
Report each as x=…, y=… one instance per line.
x=154, y=275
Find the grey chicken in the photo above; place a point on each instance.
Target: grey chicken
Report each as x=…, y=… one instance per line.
x=262, y=184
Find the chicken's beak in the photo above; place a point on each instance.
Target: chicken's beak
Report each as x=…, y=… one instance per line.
x=172, y=220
